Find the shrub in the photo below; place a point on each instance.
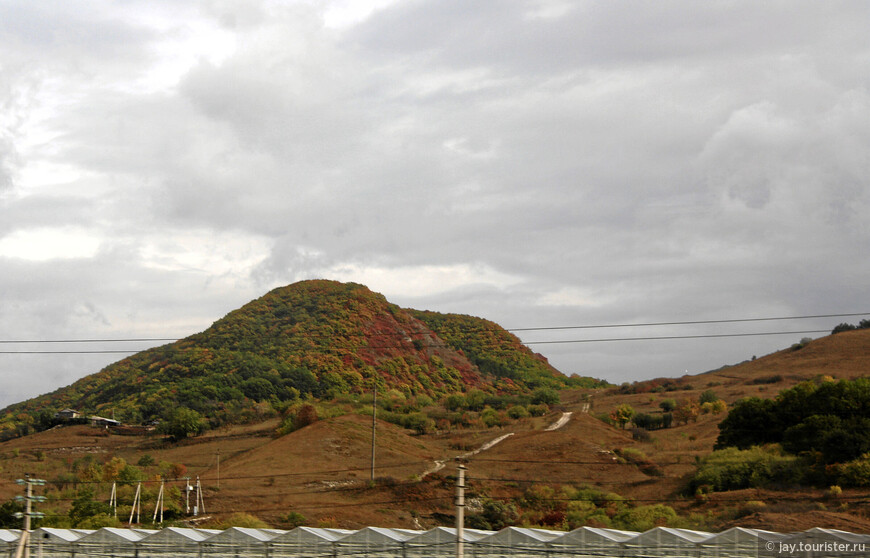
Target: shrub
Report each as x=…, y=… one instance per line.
x=668, y=405
x=545, y=396
x=688, y=410
x=622, y=414
x=293, y=519
x=643, y=518
x=239, y=519
x=757, y=467
x=855, y=472
x=843, y=327
x=775, y=379
x=518, y=412
x=640, y=435
x=184, y=422
x=494, y=515
x=99, y=521
x=537, y=410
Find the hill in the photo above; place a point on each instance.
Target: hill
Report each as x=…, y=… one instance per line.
x=311, y=339
x=586, y=472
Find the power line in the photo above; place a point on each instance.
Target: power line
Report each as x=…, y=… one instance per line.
x=544, y=328
x=665, y=337
x=115, y=340
x=695, y=322
x=446, y=345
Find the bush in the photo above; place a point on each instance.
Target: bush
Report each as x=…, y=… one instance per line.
x=184, y=422
x=300, y=417
x=668, y=405
x=493, y=516
x=545, y=396
x=239, y=519
x=854, y=473
x=649, y=422
x=293, y=519
x=775, y=379
x=518, y=412
x=643, y=518
x=757, y=467
x=454, y=402
x=537, y=410
x=99, y=521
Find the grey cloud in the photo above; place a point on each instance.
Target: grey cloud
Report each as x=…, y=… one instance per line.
x=641, y=161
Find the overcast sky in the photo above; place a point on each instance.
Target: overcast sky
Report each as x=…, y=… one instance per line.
x=538, y=163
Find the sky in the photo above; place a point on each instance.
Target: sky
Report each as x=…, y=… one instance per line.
x=539, y=163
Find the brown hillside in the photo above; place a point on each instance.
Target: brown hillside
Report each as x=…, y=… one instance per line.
x=322, y=471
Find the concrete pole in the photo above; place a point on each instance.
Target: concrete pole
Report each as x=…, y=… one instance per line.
x=460, y=512
x=374, y=416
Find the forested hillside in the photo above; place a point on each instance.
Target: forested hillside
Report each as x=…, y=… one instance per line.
x=310, y=339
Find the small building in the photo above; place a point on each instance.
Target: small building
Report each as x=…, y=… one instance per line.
x=67, y=414
x=102, y=421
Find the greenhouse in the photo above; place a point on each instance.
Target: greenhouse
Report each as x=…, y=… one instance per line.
x=818, y=542
x=666, y=542
x=307, y=541
x=174, y=541
x=441, y=541
x=594, y=541
x=237, y=541
x=112, y=541
x=49, y=542
x=518, y=541
x=377, y=542
x=740, y=542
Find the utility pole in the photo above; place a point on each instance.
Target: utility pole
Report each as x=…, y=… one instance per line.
x=23, y=550
x=137, y=505
x=460, y=511
x=158, y=505
x=374, y=416
x=219, y=469
x=187, y=495
x=113, y=499
x=199, y=505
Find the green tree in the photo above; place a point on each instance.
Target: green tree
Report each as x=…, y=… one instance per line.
x=622, y=415
x=668, y=405
x=494, y=515
x=454, y=402
x=85, y=507
x=545, y=396
x=184, y=422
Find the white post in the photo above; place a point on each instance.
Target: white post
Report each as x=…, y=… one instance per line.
x=460, y=512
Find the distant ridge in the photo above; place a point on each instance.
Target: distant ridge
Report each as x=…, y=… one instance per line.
x=315, y=338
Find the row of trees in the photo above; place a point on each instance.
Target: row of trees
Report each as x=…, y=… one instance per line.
x=863, y=324
x=673, y=412
x=569, y=507
x=72, y=499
